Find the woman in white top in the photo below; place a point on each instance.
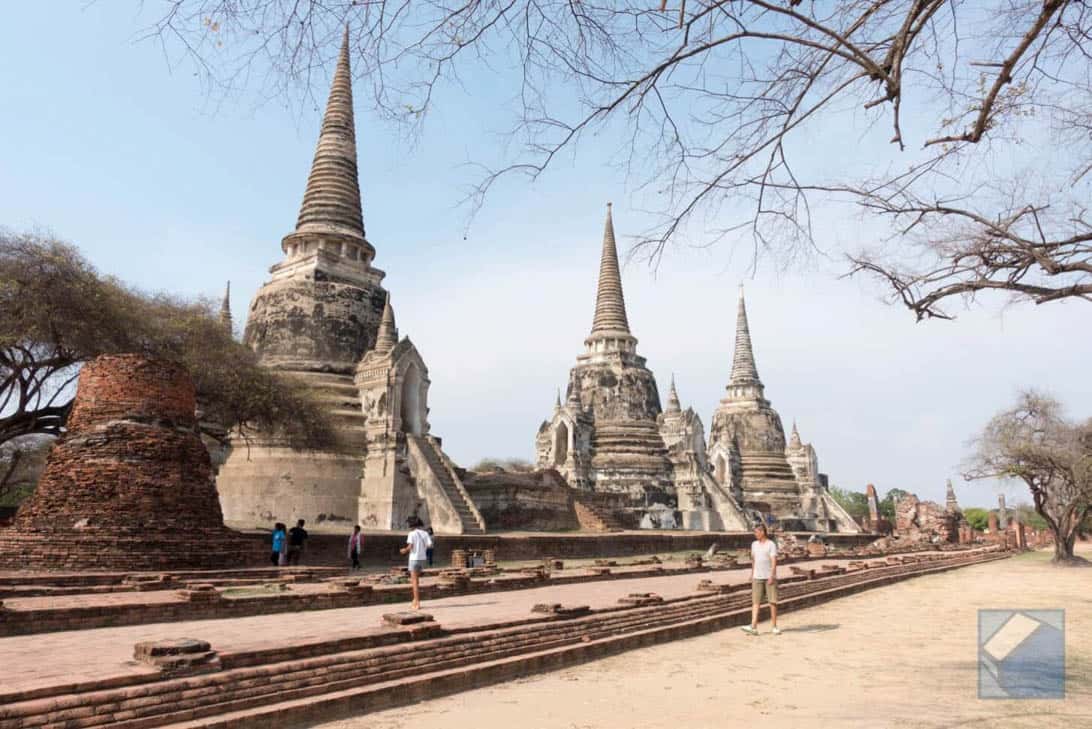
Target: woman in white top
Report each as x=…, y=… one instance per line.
x=417, y=544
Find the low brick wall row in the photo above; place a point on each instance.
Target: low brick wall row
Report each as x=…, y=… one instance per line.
x=216, y=607
x=210, y=605
x=306, y=685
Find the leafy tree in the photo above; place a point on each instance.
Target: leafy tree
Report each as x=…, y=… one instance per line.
x=978, y=518
x=854, y=502
x=952, y=108
x=887, y=503
x=1034, y=442
x=57, y=311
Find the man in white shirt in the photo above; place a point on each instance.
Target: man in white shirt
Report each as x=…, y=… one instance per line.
x=417, y=544
x=763, y=579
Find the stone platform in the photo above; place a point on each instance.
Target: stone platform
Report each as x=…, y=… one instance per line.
x=290, y=670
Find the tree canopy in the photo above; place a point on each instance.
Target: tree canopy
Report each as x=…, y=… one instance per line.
x=1035, y=442
x=854, y=502
x=57, y=311
x=887, y=503
x=977, y=517
x=962, y=131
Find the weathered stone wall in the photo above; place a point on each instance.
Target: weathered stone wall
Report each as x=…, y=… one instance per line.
x=925, y=520
x=130, y=485
x=539, y=501
x=382, y=548
x=261, y=485
x=314, y=324
x=614, y=391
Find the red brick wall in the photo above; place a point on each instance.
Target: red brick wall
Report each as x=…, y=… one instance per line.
x=129, y=386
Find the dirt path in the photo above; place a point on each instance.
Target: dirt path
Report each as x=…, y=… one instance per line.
x=903, y=655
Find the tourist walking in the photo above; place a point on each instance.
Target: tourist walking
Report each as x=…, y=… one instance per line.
x=280, y=537
x=417, y=543
x=431, y=545
x=763, y=579
x=297, y=539
x=356, y=547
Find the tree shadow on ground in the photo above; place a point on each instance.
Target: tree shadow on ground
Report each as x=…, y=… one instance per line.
x=812, y=628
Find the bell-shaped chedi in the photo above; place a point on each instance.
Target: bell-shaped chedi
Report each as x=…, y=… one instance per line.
x=130, y=485
x=605, y=437
x=313, y=320
x=746, y=424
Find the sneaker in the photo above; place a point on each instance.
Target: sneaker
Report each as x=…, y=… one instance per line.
x=749, y=630
x=776, y=631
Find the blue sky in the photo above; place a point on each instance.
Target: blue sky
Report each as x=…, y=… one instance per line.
x=107, y=146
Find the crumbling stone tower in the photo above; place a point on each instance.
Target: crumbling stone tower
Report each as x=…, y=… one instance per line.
x=129, y=485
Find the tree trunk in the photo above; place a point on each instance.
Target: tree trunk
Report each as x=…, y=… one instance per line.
x=1064, y=541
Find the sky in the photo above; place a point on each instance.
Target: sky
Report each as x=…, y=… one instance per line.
x=106, y=144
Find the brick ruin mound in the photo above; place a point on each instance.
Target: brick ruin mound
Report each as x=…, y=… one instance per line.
x=130, y=485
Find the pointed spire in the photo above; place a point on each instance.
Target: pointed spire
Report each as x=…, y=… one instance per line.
x=387, y=337
x=557, y=402
x=744, y=371
x=951, y=505
x=610, y=306
x=331, y=203
x=225, y=309
x=673, y=405
x=794, y=439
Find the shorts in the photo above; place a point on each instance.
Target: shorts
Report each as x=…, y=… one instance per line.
x=418, y=565
x=762, y=591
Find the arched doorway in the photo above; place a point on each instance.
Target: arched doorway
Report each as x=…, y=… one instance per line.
x=411, y=401
x=561, y=444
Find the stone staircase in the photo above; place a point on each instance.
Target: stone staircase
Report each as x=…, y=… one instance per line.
x=340, y=399
x=591, y=516
x=733, y=517
x=469, y=516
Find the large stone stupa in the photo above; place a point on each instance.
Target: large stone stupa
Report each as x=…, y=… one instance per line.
x=324, y=321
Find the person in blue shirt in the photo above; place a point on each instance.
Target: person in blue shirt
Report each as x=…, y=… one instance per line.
x=280, y=536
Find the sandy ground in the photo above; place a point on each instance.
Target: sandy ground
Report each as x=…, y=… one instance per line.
x=903, y=655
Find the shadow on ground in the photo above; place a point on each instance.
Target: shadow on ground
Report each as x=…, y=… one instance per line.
x=814, y=628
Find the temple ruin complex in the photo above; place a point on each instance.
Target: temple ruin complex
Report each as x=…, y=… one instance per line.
x=610, y=435
x=325, y=319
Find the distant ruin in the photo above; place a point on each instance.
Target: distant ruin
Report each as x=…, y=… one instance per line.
x=610, y=436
